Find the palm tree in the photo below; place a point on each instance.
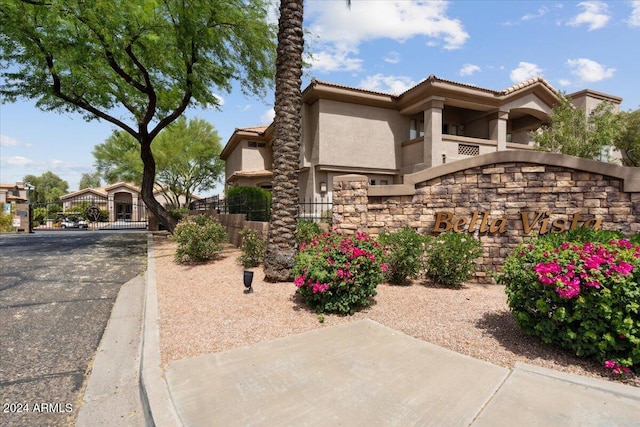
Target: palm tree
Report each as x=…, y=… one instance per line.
x=281, y=249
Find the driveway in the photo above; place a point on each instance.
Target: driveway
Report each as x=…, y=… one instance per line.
x=57, y=290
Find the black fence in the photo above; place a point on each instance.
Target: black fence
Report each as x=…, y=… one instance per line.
x=88, y=212
x=259, y=209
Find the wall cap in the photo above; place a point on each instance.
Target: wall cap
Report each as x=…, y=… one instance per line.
x=629, y=175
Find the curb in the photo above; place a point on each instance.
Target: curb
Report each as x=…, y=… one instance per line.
x=154, y=390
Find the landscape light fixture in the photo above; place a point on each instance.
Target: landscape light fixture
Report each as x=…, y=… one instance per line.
x=248, y=279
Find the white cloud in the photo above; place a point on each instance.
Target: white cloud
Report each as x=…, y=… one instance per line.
x=469, y=69
x=595, y=15
x=539, y=13
x=525, y=71
x=387, y=84
x=267, y=117
x=564, y=82
x=589, y=71
x=8, y=141
x=336, y=58
x=338, y=30
x=16, y=161
x=397, y=20
x=219, y=98
x=634, y=19
x=392, y=57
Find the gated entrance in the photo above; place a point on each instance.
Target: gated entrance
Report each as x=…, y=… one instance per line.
x=91, y=212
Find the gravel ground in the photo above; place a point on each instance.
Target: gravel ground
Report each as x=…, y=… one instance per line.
x=203, y=309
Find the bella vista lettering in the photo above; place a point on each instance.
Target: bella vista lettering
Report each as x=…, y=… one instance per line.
x=482, y=222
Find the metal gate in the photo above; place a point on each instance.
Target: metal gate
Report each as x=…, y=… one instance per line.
x=90, y=213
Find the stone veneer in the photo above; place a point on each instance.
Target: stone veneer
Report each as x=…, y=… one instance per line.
x=502, y=184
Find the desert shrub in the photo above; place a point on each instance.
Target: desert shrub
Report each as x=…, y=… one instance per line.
x=338, y=274
x=253, y=248
x=404, y=249
x=449, y=259
x=306, y=231
x=199, y=238
x=583, y=296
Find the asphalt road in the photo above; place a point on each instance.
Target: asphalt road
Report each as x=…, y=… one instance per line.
x=57, y=290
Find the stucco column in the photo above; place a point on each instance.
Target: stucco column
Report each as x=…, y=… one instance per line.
x=433, y=145
x=112, y=208
x=498, y=128
x=134, y=207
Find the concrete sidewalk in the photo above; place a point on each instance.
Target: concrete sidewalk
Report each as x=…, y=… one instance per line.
x=365, y=374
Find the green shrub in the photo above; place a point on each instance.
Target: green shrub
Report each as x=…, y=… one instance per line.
x=404, y=249
x=255, y=202
x=253, y=248
x=178, y=213
x=6, y=222
x=199, y=238
x=580, y=234
x=338, y=274
x=306, y=231
x=582, y=296
x=449, y=258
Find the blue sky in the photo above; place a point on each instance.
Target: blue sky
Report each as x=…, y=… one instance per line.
x=386, y=46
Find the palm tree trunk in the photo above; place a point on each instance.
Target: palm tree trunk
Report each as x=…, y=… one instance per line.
x=286, y=145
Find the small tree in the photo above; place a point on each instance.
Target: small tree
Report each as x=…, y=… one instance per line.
x=187, y=159
x=48, y=187
x=574, y=132
x=138, y=66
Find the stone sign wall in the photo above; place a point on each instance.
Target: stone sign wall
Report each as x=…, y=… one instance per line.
x=501, y=198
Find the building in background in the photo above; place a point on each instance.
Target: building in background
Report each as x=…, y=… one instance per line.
x=347, y=130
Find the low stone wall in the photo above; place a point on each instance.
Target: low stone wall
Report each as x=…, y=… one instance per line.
x=501, y=198
x=235, y=223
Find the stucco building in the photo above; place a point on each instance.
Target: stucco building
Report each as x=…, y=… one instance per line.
x=347, y=130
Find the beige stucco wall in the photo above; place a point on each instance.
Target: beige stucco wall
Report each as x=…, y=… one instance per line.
x=254, y=159
x=360, y=136
x=233, y=163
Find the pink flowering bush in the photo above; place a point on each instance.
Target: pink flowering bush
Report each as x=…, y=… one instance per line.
x=338, y=274
x=584, y=296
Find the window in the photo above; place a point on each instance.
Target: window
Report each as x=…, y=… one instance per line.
x=256, y=144
x=384, y=182
x=372, y=182
x=416, y=128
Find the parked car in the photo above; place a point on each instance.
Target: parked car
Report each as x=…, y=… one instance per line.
x=73, y=223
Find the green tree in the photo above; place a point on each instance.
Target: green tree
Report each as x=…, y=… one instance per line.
x=281, y=249
x=572, y=131
x=118, y=158
x=187, y=159
x=137, y=65
x=629, y=142
x=89, y=180
x=48, y=187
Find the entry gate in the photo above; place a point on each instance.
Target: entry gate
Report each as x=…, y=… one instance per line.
x=93, y=213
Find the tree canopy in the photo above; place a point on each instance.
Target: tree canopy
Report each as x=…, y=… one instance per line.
x=572, y=131
x=89, y=180
x=629, y=142
x=48, y=187
x=136, y=64
x=186, y=153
